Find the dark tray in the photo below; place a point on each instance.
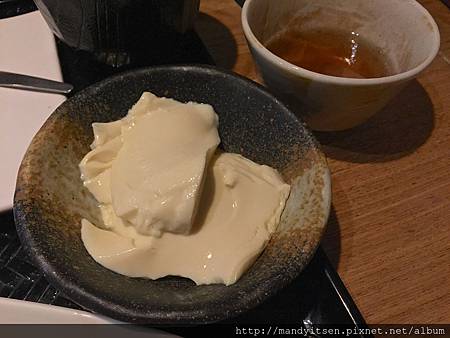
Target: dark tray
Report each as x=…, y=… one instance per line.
x=10, y=8
x=316, y=297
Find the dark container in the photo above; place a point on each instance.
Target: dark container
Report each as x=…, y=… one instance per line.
x=115, y=29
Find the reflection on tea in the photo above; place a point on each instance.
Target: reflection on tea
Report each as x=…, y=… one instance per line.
x=331, y=53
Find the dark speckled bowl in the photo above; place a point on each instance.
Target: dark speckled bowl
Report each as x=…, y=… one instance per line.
x=50, y=199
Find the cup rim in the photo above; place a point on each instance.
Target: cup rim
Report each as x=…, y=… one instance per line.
x=291, y=68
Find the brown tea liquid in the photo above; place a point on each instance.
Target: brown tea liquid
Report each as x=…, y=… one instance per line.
x=330, y=53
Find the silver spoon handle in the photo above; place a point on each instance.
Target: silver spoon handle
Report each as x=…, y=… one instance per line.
x=20, y=81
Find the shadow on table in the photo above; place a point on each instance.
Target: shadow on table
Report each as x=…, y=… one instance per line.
x=218, y=39
x=396, y=131
x=331, y=240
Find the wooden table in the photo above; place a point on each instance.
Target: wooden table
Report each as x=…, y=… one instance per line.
x=389, y=231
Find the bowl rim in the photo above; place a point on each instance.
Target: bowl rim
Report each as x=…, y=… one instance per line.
x=89, y=300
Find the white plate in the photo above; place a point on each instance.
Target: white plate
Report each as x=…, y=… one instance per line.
x=26, y=46
x=21, y=312
x=14, y=311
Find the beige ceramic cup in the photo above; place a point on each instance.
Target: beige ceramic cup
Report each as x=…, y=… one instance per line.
x=402, y=30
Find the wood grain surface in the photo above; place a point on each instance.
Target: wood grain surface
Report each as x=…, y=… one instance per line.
x=389, y=230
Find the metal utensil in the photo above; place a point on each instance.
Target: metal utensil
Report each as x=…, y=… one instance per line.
x=20, y=81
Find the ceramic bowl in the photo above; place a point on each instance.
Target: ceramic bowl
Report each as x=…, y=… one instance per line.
x=50, y=200
x=401, y=33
